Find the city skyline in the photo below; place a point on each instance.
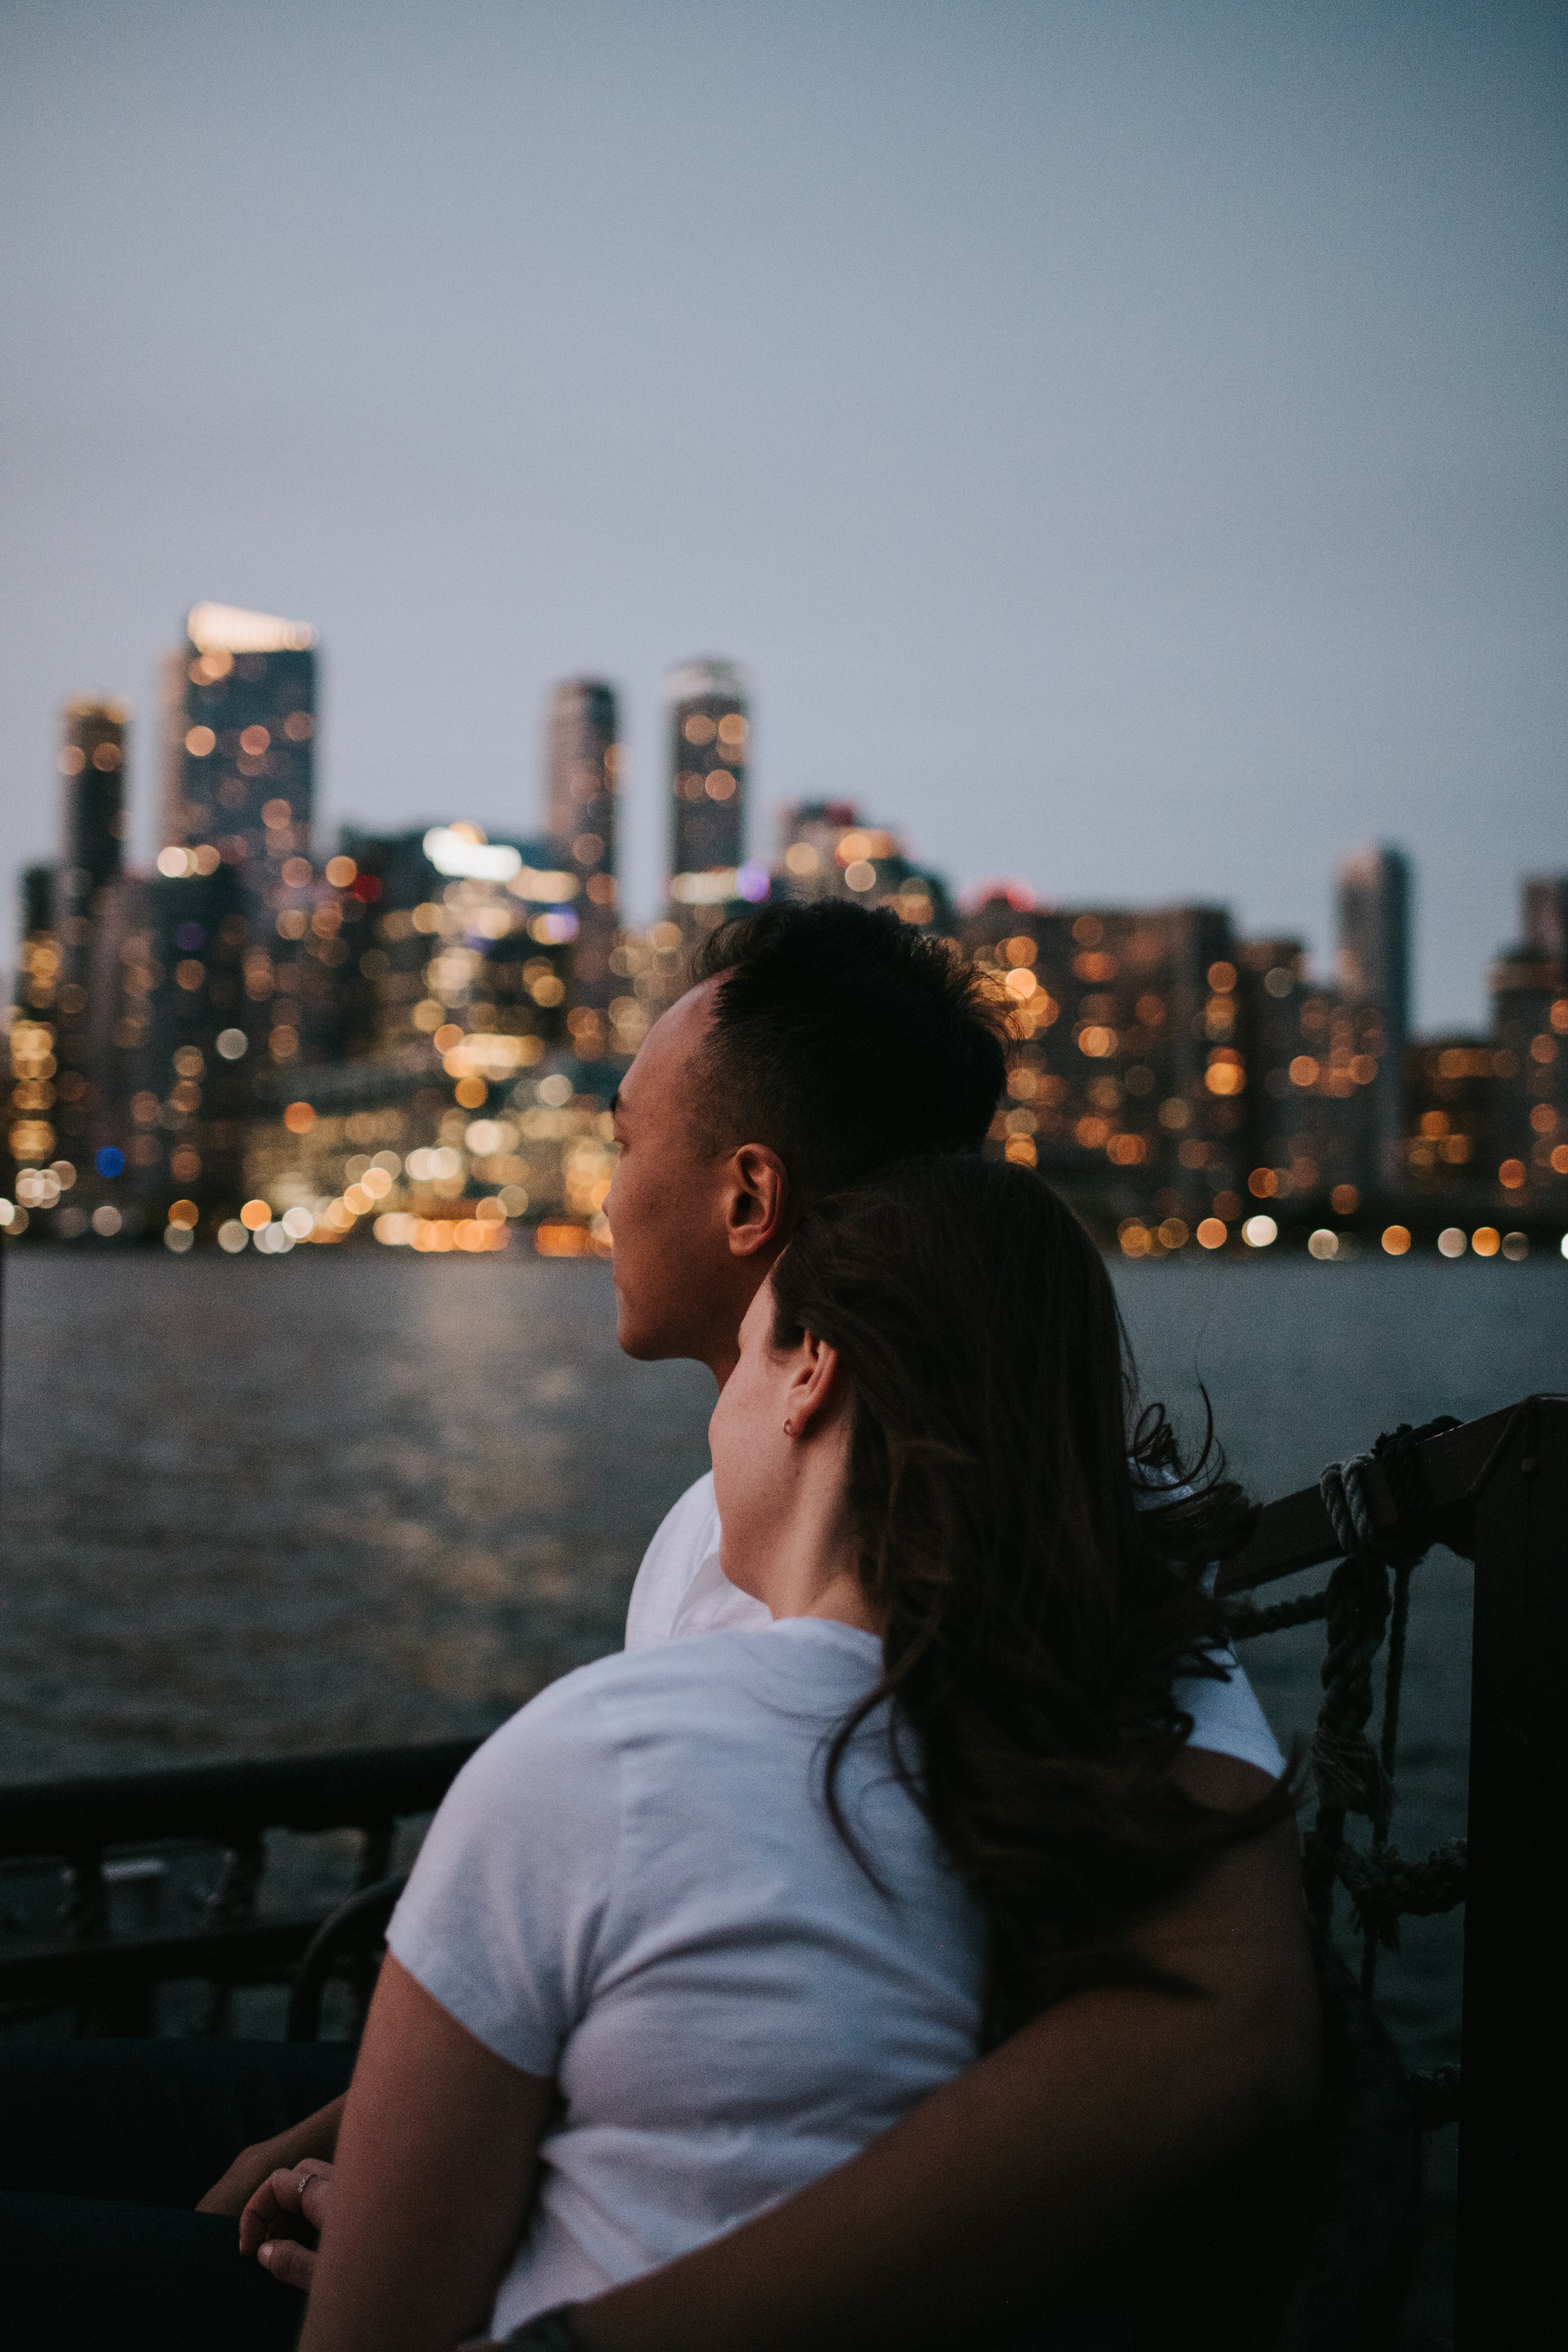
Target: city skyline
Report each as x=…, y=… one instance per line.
x=1118, y=442
x=203, y=1047
x=588, y=713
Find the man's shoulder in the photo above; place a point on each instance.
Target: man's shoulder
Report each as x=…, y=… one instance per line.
x=686, y=1536
x=692, y=1519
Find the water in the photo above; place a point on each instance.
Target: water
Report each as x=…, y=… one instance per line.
x=259, y=1506
x=251, y=1506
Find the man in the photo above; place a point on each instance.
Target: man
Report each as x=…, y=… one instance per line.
x=817, y=1044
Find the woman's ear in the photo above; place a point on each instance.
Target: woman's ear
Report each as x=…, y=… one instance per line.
x=813, y=1387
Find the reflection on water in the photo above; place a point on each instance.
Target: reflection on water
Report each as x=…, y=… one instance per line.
x=301, y=1503
x=337, y=1499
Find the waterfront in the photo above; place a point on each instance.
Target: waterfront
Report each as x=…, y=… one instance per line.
x=255, y=1507
x=252, y=1505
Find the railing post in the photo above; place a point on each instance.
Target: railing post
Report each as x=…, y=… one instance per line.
x=1510, y=2178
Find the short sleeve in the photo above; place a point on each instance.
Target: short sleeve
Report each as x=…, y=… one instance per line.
x=502, y=1918
x=1228, y=1718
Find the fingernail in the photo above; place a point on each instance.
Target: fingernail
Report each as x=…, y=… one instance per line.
x=264, y=2253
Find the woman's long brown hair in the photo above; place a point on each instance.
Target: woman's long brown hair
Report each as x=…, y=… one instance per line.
x=1035, y=1615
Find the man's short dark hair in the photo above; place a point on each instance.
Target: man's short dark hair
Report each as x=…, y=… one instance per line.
x=846, y=1039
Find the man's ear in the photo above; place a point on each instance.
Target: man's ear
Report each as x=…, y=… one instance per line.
x=757, y=1200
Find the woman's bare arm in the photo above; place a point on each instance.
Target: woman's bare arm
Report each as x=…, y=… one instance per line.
x=434, y=2171
x=1012, y=2189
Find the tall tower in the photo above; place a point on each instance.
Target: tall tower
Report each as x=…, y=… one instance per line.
x=92, y=856
x=1544, y=905
x=584, y=765
x=29, y=1131
x=240, y=718
x=1528, y=1128
x=168, y=1055
x=709, y=737
x=1374, y=973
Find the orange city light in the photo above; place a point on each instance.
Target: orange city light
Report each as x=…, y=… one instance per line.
x=561, y=1240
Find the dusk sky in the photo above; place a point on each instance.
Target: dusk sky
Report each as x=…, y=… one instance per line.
x=1124, y=442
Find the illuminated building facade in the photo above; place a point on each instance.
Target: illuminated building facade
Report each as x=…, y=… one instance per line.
x=168, y=1049
x=1127, y=1081
x=297, y=967
x=31, y=1099
x=1374, y=897
x=710, y=737
x=240, y=725
x=656, y=965
x=92, y=811
x=1312, y=1061
x=826, y=852
x=456, y=1112
x=467, y=948
x=582, y=755
x=1527, y=1154
x=1449, y=1086
x=426, y=1173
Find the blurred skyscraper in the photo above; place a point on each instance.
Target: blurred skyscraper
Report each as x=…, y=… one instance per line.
x=467, y=948
x=826, y=852
x=167, y=1051
x=1310, y=1065
x=92, y=857
x=30, y=1126
x=1128, y=1078
x=1527, y=1143
x=708, y=732
x=1374, y=975
x=1544, y=907
x=239, y=722
x=583, y=783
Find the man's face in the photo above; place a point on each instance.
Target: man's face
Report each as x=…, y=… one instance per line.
x=681, y=1286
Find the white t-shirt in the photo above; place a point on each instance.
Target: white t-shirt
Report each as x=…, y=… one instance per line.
x=635, y=1888
x=681, y=1588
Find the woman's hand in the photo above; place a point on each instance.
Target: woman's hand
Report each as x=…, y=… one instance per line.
x=294, y=2194
x=317, y=2136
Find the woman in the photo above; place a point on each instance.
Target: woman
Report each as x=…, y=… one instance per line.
x=703, y=1920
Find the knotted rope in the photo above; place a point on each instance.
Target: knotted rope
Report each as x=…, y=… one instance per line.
x=1350, y=1516
x=1367, y=1596
x=1245, y=1618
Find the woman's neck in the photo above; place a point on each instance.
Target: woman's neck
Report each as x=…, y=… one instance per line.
x=805, y=1562
x=840, y=1596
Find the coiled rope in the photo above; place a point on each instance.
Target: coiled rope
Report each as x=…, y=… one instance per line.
x=1365, y=1605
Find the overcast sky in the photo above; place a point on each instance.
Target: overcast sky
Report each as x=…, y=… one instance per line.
x=1124, y=441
